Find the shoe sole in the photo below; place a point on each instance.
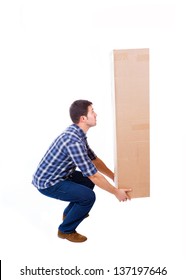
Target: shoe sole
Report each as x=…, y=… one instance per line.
x=71, y=240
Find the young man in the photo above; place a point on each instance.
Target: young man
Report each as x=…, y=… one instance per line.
x=56, y=175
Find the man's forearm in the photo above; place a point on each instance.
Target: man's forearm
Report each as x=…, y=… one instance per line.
x=100, y=165
x=100, y=181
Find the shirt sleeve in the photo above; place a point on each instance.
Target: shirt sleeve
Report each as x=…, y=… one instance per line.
x=82, y=157
x=90, y=152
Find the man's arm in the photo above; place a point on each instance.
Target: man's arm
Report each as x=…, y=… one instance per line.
x=99, y=180
x=101, y=167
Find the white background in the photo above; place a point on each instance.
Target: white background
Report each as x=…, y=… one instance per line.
x=51, y=53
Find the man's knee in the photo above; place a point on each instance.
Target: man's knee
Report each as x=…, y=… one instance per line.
x=93, y=197
x=90, y=198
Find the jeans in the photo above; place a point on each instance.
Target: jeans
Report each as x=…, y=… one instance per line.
x=78, y=190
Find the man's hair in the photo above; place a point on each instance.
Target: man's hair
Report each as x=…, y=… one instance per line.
x=79, y=108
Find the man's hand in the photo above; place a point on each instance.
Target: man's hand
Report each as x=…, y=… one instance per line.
x=122, y=194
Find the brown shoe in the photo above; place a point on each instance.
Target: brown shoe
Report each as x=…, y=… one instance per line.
x=73, y=237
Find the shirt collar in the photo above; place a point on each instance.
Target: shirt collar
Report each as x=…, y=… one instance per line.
x=79, y=131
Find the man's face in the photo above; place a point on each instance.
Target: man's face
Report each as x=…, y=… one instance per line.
x=91, y=117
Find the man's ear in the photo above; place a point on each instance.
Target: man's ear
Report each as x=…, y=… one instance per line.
x=82, y=118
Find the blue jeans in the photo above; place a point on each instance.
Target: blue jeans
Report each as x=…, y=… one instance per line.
x=78, y=190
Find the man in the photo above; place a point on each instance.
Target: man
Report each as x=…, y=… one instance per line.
x=57, y=177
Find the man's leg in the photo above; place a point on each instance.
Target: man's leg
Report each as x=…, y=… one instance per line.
x=78, y=178
x=81, y=197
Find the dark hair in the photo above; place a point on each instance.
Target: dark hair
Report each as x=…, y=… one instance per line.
x=79, y=108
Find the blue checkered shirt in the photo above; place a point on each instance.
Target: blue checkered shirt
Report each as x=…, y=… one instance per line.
x=69, y=151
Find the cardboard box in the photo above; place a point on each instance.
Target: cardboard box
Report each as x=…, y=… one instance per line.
x=131, y=104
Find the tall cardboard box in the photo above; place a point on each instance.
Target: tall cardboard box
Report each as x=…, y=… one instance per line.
x=131, y=104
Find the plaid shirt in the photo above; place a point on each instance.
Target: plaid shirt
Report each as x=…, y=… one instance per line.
x=68, y=151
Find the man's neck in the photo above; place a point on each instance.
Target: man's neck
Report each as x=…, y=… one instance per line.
x=84, y=127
